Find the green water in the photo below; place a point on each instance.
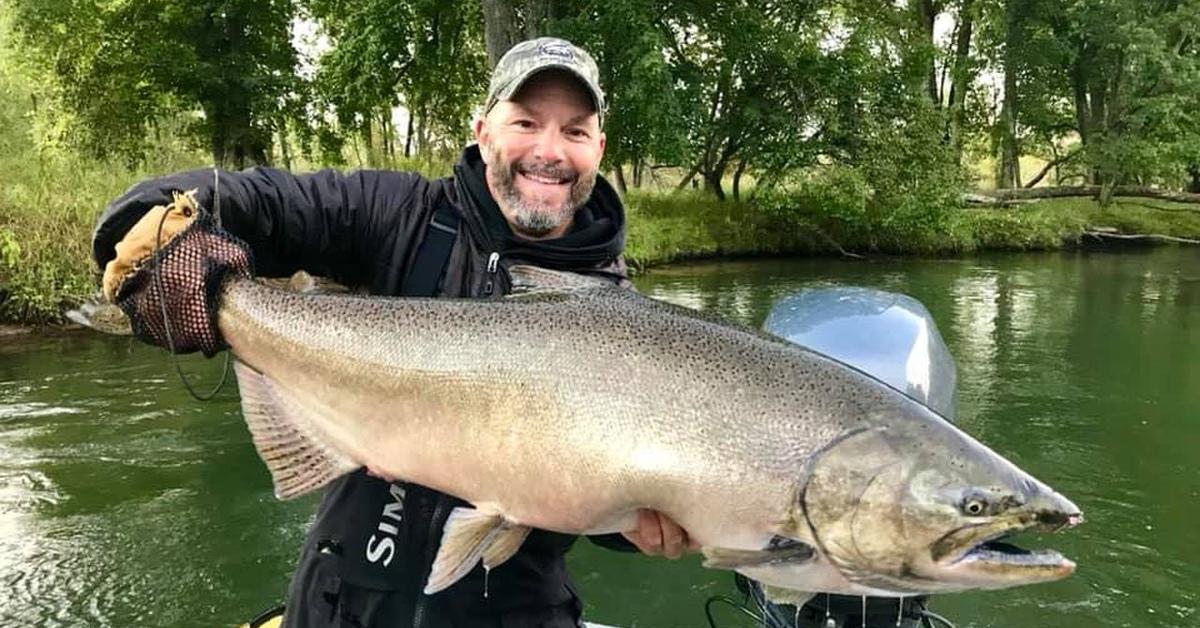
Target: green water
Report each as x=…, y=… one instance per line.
x=125, y=503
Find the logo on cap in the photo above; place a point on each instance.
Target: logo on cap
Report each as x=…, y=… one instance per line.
x=559, y=49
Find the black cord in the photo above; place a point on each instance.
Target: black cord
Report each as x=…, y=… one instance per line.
x=162, y=304
x=732, y=602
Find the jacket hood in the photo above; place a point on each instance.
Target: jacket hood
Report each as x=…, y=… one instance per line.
x=597, y=235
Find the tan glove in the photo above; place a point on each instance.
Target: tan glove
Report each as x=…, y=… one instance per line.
x=173, y=302
x=138, y=244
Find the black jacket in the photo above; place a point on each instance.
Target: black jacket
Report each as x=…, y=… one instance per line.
x=372, y=544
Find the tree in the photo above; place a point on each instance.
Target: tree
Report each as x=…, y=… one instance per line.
x=750, y=74
x=423, y=54
x=509, y=22
x=122, y=66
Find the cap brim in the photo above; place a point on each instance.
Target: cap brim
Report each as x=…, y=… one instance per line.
x=508, y=91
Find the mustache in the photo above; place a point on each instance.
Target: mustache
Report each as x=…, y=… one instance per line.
x=540, y=168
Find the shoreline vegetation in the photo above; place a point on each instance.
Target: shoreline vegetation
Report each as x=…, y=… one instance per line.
x=733, y=129
x=46, y=221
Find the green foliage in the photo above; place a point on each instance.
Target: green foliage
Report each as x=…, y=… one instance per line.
x=427, y=55
x=120, y=68
x=644, y=112
x=10, y=250
x=49, y=200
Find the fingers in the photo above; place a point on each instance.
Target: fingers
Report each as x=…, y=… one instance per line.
x=657, y=534
x=674, y=539
x=647, y=536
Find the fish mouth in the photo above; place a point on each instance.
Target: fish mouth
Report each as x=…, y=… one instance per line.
x=984, y=555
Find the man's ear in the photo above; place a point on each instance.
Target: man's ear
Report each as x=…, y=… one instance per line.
x=603, y=143
x=480, y=129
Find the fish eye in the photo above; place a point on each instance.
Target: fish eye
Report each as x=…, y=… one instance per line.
x=974, y=507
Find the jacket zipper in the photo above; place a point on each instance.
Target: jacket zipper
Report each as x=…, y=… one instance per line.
x=439, y=513
x=493, y=264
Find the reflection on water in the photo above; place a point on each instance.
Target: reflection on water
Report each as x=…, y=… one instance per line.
x=125, y=503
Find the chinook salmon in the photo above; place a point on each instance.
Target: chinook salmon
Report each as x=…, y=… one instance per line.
x=573, y=403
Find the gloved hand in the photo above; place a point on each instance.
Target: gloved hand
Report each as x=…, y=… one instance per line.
x=171, y=298
x=119, y=217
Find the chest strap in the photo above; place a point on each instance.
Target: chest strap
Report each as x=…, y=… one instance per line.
x=429, y=269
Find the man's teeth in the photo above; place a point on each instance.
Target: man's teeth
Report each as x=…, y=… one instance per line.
x=542, y=178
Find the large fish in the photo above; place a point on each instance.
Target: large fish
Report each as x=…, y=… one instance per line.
x=569, y=406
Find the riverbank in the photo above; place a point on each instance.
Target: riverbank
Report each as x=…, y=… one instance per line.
x=45, y=265
x=664, y=228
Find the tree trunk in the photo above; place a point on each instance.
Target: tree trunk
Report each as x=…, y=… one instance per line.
x=408, y=136
x=1053, y=165
x=1009, y=173
x=388, y=133
x=737, y=179
x=501, y=28
x=234, y=141
x=927, y=12
x=961, y=77
x=712, y=181
x=619, y=177
x=1092, y=191
x=284, y=150
x=537, y=17
x=368, y=136
x=1194, y=171
x=638, y=168
x=687, y=179
x=1083, y=112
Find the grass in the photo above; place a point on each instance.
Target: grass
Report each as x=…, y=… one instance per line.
x=1055, y=223
x=48, y=206
x=668, y=226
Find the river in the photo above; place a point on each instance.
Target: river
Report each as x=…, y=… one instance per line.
x=123, y=502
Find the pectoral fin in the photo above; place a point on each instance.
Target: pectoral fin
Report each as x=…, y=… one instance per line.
x=284, y=435
x=471, y=535
x=779, y=551
x=506, y=543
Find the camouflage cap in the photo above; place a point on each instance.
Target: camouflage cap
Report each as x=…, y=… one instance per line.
x=532, y=56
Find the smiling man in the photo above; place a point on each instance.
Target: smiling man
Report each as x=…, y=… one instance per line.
x=528, y=193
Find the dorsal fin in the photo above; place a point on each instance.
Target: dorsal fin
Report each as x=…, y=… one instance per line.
x=535, y=280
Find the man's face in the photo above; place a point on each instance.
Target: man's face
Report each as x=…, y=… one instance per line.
x=542, y=151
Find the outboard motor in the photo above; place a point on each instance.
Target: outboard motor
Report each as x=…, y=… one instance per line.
x=888, y=335
x=893, y=338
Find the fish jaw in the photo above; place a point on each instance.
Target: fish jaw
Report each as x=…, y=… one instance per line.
x=975, y=556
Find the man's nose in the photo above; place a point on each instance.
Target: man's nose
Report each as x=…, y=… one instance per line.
x=550, y=146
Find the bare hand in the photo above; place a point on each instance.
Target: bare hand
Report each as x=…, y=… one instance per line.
x=657, y=534
x=377, y=473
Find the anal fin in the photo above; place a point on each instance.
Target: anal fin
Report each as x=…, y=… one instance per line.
x=283, y=433
x=471, y=535
x=780, y=595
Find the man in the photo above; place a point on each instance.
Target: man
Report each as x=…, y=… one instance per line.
x=527, y=193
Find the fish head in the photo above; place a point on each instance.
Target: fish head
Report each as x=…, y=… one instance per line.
x=911, y=507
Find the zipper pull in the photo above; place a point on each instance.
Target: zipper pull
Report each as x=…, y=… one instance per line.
x=493, y=264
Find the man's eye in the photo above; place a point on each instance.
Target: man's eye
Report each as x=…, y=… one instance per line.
x=579, y=133
x=524, y=124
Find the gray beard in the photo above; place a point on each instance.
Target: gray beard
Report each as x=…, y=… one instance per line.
x=535, y=219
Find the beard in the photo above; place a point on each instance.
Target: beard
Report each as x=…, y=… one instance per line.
x=535, y=217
